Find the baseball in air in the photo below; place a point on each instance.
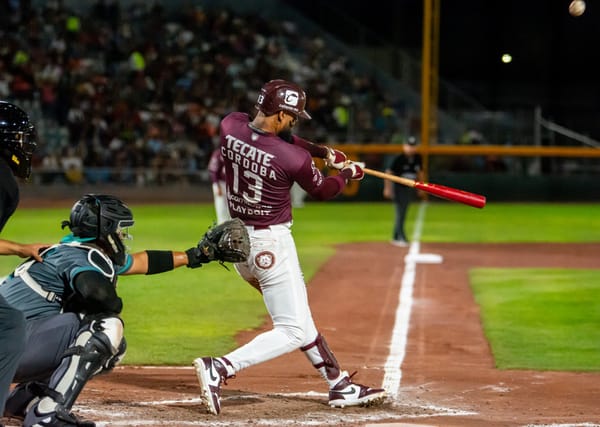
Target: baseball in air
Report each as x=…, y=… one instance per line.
x=577, y=7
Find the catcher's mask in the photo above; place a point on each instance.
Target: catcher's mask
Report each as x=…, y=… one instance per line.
x=281, y=95
x=105, y=219
x=17, y=139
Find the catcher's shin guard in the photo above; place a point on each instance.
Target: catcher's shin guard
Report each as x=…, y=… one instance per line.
x=98, y=347
x=323, y=360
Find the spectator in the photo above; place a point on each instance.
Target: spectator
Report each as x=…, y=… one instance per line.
x=109, y=71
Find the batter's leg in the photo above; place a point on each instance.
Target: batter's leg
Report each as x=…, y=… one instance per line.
x=323, y=360
x=342, y=390
x=274, y=265
x=220, y=201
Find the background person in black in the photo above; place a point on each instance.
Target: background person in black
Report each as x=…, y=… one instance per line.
x=17, y=143
x=408, y=164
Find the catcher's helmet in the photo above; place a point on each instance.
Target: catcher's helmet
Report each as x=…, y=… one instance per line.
x=104, y=219
x=17, y=139
x=278, y=95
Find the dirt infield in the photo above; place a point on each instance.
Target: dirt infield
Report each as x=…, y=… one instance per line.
x=447, y=377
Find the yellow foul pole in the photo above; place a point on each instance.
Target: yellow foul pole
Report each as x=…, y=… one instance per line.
x=429, y=78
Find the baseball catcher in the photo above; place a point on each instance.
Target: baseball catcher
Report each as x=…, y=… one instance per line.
x=70, y=301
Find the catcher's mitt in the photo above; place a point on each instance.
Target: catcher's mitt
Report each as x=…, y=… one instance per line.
x=225, y=242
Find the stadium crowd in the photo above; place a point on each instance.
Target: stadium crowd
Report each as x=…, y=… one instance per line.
x=135, y=94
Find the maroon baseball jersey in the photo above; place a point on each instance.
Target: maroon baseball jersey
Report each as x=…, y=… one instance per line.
x=216, y=169
x=260, y=170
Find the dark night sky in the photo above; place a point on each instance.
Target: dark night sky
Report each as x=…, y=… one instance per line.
x=555, y=54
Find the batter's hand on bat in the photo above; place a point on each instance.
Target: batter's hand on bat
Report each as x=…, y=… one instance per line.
x=335, y=159
x=354, y=170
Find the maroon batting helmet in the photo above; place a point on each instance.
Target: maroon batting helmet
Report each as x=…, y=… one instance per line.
x=281, y=95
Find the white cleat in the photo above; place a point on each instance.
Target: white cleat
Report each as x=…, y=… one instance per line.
x=347, y=393
x=210, y=379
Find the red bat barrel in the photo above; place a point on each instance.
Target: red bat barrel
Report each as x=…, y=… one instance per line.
x=454, y=194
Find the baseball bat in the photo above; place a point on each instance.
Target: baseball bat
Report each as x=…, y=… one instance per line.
x=448, y=193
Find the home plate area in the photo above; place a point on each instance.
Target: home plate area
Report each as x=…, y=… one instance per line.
x=447, y=378
x=242, y=409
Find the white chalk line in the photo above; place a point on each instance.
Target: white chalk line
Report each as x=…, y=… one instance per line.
x=393, y=364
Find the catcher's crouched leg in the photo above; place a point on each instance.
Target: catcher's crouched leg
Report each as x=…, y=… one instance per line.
x=22, y=397
x=98, y=347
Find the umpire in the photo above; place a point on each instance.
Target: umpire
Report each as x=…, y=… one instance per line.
x=17, y=143
x=407, y=164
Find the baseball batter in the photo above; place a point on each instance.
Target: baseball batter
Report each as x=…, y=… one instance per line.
x=262, y=161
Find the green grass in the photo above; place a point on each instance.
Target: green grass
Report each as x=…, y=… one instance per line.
x=543, y=319
x=174, y=317
x=512, y=223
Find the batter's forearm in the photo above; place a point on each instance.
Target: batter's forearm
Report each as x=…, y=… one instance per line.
x=315, y=150
x=331, y=187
